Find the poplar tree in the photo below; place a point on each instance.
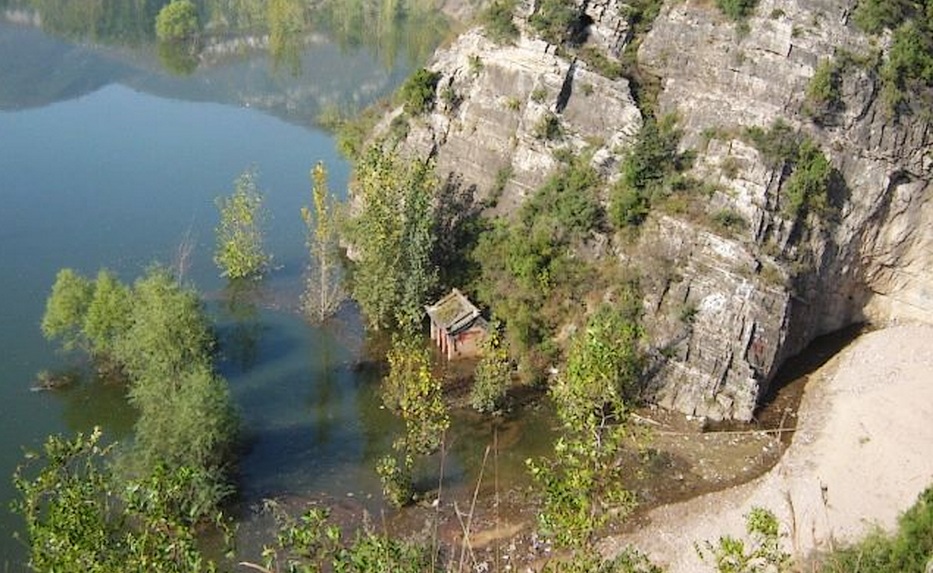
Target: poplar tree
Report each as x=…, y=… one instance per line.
x=324, y=290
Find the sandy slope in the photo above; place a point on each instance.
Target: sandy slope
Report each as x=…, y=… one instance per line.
x=862, y=453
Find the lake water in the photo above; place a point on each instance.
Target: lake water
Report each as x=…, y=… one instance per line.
x=106, y=160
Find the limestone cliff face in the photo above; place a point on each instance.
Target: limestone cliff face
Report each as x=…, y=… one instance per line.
x=868, y=264
x=724, y=310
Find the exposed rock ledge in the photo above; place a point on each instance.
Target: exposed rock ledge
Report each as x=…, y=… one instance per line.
x=862, y=453
x=760, y=295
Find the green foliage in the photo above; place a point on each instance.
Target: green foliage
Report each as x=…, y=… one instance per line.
x=527, y=273
x=778, y=144
x=569, y=199
x=908, y=550
x=581, y=482
x=808, y=174
x=555, y=21
x=168, y=332
x=762, y=555
x=66, y=310
x=493, y=374
x=158, y=335
x=548, y=128
x=590, y=561
x=393, y=239
x=807, y=188
x=646, y=170
x=411, y=390
x=324, y=290
x=737, y=9
x=908, y=69
x=311, y=544
x=81, y=519
x=240, y=235
x=909, y=66
x=728, y=220
x=418, y=91
x=823, y=89
x=497, y=21
x=873, y=16
x=177, y=21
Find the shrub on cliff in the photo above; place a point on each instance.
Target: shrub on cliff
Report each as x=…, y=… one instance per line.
x=497, y=21
x=737, y=9
x=418, y=91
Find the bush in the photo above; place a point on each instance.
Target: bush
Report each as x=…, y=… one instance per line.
x=909, y=550
x=731, y=555
x=497, y=21
x=648, y=167
x=807, y=188
x=418, y=91
x=556, y=21
x=548, y=128
x=737, y=9
x=823, y=89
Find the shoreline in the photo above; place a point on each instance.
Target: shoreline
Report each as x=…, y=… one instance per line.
x=862, y=453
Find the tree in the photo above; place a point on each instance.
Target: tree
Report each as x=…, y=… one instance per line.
x=581, y=482
x=168, y=333
x=240, y=236
x=81, y=519
x=493, y=374
x=418, y=91
x=177, y=21
x=393, y=237
x=66, y=309
x=324, y=290
x=411, y=390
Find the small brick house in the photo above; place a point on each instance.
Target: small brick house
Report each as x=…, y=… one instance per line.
x=457, y=327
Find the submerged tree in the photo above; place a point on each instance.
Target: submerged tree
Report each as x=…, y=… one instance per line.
x=240, y=236
x=415, y=394
x=393, y=238
x=324, y=290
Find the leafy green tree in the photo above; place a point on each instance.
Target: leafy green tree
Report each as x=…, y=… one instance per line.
x=108, y=314
x=393, y=239
x=66, y=309
x=411, y=390
x=240, y=252
x=177, y=21
x=188, y=422
x=580, y=483
x=81, y=519
x=493, y=374
x=324, y=290
x=169, y=333
x=807, y=188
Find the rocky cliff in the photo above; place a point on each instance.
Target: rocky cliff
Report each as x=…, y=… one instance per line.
x=725, y=308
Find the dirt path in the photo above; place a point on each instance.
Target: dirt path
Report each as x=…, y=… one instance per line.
x=862, y=453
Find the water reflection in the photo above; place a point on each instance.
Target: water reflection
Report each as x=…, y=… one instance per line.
x=241, y=337
x=293, y=58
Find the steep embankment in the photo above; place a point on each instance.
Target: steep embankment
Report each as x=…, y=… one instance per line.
x=737, y=276
x=862, y=453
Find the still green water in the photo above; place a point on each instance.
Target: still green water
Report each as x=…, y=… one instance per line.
x=108, y=160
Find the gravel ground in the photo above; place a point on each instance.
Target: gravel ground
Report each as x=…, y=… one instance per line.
x=862, y=453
